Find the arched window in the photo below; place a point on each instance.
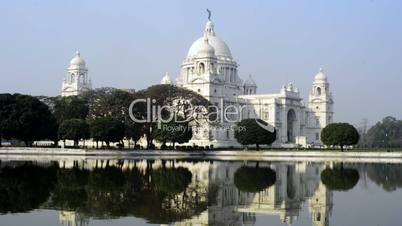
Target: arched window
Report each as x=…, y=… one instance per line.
x=318, y=91
x=318, y=217
x=201, y=68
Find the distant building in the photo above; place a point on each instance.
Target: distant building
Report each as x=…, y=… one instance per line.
x=77, y=80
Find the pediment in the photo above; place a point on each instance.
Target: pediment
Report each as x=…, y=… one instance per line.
x=217, y=80
x=198, y=80
x=317, y=100
x=68, y=89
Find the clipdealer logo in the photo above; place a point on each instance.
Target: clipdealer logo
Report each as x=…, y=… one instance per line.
x=213, y=114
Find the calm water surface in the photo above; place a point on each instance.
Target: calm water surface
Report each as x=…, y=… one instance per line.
x=189, y=192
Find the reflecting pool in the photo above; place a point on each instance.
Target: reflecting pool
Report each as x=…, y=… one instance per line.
x=197, y=192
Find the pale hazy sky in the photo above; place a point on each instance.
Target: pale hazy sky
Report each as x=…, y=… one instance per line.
x=131, y=44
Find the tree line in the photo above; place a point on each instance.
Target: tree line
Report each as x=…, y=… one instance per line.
x=386, y=133
x=160, y=196
x=100, y=114
x=103, y=116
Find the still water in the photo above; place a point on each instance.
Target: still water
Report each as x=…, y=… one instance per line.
x=190, y=192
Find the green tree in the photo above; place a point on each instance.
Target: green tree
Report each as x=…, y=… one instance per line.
x=183, y=134
x=254, y=179
x=74, y=129
x=7, y=103
x=72, y=107
x=339, y=179
x=175, y=131
x=29, y=120
x=248, y=132
x=134, y=131
x=387, y=133
x=107, y=129
x=109, y=102
x=177, y=101
x=339, y=134
x=115, y=103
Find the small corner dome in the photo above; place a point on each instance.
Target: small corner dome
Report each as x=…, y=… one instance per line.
x=250, y=82
x=320, y=76
x=77, y=60
x=166, y=79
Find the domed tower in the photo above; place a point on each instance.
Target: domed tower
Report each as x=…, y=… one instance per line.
x=320, y=106
x=209, y=68
x=166, y=79
x=77, y=80
x=321, y=204
x=250, y=87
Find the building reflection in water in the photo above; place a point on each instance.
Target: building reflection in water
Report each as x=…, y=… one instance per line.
x=72, y=218
x=296, y=184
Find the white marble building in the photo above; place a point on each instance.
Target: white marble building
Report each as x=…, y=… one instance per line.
x=210, y=70
x=77, y=80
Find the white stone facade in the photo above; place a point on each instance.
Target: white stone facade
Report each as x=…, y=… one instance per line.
x=210, y=70
x=77, y=80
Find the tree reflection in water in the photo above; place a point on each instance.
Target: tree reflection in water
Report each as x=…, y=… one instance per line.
x=182, y=192
x=388, y=176
x=159, y=196
x=24, y=188
x=339, y=178
x=254, y=179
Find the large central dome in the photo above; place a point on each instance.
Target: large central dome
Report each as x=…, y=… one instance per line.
x=221, y=49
